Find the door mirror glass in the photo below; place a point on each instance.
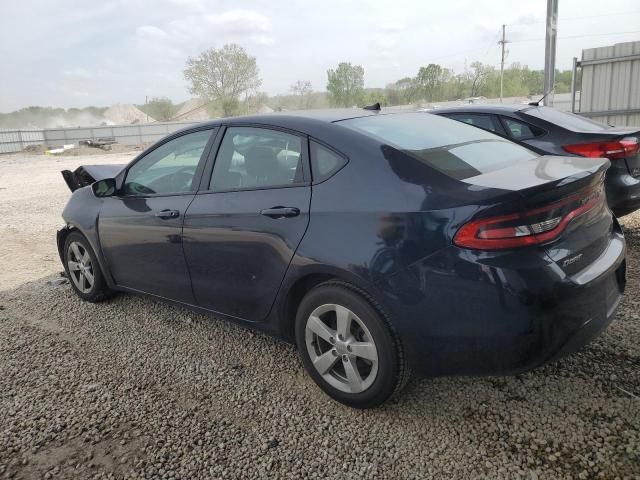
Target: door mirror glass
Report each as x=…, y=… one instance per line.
x=104, y=188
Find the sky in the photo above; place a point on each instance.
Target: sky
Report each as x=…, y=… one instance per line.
x=72, y=53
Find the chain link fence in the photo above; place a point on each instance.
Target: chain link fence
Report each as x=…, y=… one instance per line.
x=18, y=140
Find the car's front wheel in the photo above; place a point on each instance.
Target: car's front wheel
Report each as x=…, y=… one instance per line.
x=348, y=346
x=83, y=270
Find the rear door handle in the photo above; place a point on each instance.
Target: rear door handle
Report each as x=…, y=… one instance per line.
x=168, y=213
x=280, y=212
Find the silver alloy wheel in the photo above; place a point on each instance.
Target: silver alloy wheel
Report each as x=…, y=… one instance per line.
x=80, y=267
x=341, y=348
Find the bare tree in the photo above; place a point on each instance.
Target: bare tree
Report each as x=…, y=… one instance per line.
x=478, y=77
x=223, y=75
x=303, y=89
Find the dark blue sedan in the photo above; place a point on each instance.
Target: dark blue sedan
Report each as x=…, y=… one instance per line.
x=550, y=132
x=381, y=244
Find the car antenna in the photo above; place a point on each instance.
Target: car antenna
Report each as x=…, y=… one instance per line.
x=375, y=106
x=537, y=104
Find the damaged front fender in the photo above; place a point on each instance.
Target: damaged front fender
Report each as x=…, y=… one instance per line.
x=88, y=174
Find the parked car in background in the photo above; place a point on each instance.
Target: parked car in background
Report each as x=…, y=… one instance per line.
x=381, y=244
x=550, y=132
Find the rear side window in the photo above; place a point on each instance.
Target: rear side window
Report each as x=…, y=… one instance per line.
x=455, y=149
x=569, y=121
x=520, y=130
x=487, y=122
x=324, y=162
x=252, y=157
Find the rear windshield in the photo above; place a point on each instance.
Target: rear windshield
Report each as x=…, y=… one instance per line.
x=566, y=120
x=458, y=150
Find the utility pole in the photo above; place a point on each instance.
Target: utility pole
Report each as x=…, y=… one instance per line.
x=146, y=100
x=550, y=51
x=502, y=42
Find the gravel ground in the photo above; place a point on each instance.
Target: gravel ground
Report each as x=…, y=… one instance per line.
x=133, y=388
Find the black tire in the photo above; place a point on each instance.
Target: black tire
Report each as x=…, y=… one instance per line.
x=392, y=369
x=99, y=290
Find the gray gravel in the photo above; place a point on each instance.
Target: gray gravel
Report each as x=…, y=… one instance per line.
x=133, y=388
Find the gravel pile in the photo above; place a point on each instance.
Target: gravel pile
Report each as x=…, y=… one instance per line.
x=133, y=388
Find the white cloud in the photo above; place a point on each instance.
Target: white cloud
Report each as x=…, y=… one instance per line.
x=392, y=26
x=240, y=22
x=78, y=73
x=120, y=50
x=188, y=6
x=150, y=32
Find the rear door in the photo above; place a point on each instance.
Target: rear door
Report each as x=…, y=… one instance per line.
x=246, y=222
x=140, y=228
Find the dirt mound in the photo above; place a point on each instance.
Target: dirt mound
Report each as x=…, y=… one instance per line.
x=124, y=114
x=194, y=109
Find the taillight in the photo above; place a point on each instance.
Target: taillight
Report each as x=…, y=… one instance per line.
x=627, y=147
x=532, y=227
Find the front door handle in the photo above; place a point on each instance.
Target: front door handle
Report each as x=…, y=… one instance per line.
x=280, y=212
x=168, y=213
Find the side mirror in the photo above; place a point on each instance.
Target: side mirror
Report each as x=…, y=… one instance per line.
x=104, y=188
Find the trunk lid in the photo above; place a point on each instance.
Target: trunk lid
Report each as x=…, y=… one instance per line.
x=562, y=205
x=620, y=145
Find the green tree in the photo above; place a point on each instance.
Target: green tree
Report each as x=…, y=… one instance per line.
x=404, y=91
x=223, y=75
x=371, y=96
x=159, y=108
x=428, y=80
x=345, y=85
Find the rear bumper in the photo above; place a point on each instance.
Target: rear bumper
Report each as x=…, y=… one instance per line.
x=489, y=320
x=623, y=191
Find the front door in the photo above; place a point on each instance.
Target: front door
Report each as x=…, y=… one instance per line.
x=140, y=229
x=242, y=230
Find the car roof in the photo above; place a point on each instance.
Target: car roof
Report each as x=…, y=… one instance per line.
x=323, y=115
x=305, y=121
x=483, y=108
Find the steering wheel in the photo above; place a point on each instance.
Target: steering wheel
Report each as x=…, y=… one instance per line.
x=181, y=180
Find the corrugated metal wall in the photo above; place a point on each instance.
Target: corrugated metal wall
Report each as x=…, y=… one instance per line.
x=18, y=140
x=610, y=90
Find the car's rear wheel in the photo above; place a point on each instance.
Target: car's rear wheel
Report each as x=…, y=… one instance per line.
x=348, y=346
x=83, y=270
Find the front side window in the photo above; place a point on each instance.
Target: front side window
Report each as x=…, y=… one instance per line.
x=168, y=169
x=481, y=121
x=252, y=157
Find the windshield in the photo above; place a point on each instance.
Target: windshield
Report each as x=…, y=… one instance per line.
x=566, y=120
x=458, y=150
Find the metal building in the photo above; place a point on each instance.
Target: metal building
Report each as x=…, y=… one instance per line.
x=610, y=84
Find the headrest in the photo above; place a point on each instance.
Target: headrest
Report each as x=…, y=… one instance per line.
x=261, y=161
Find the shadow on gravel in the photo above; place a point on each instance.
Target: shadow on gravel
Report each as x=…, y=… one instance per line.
x=132, y=385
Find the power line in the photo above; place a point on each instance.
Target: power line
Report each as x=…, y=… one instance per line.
x=577, y=36
x=455, y=54
x=574, y=18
